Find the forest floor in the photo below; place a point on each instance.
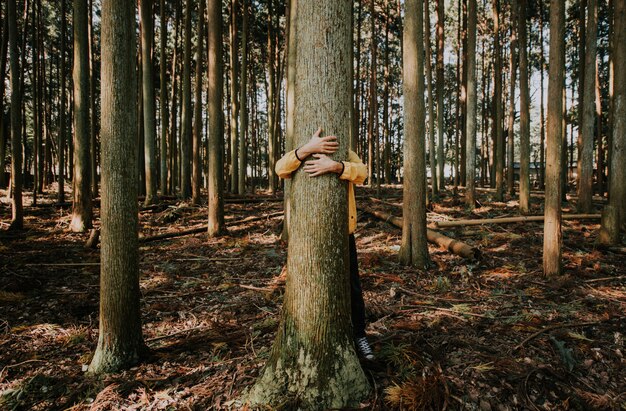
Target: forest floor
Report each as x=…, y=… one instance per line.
x=488, y=335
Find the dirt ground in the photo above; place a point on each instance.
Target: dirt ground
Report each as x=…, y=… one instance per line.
x=487, y=335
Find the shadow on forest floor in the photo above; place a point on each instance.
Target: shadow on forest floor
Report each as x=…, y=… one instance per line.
x=488, y=335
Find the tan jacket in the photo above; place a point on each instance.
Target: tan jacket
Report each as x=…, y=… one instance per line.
x=354, y=171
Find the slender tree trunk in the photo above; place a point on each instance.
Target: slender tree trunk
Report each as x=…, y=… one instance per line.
x=470, y=179
x=312, y=336
x=62, y=138
x=216, y=117
x=414, y=249
x=92, y=106
x=463, y=101
x=36, y=96
x=384, y=166
x=82, y=212
x=141, y=153
x=614, y=214
x=149, y=109
x=513, y=78
x=197, y=128
x=440, y=91
x=173, y=133
x=120, y=342
x=431, y=109
x=498, y=102
x=585, y=142
x=186, y=123
x=552, y=239
x=163, y=99
x=234, y=96
x=524, y=183
x=542, y=117
x=356, y=114
x=373, y=100
x=4, y=45
x=599, y=128
x=243, y=109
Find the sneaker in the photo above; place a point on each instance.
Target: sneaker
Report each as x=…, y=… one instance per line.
x=363, y=348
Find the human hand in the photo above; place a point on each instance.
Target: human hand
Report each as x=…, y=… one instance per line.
x=317, y=144
x=322, y=165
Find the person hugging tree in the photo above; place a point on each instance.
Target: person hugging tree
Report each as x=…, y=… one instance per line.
x=355, y=172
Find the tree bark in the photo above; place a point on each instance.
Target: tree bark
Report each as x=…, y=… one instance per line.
x=197, y=128
x=243, y=100
x=470, y=178
x=615, y=212
x=414, y=248
x=552, y=238
x=313, y=358
x=62, y=138
x=4, y=46
x=149, y=110
x=92, y=106
x=513, y=78
x=17, y=213
x=372, y=132
x=216, y=120
x=524, y=183
x=586, y=137
x=186, y=120
x=431, y=108
x=440, y=91
x=163, y=99
x=82, y=212
x=120, y=342
x=498, y=103
x=542, y=118
x=234, y=97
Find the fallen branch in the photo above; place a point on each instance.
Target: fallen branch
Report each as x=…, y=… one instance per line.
x=509, y=220
x=454, y=246
x=203, y=228
x=553, y=327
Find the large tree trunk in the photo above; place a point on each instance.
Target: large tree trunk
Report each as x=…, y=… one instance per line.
x=243, y=100
x=585, y=141
x=470, y=177
x=82, y=212
x=440, y=92
x=197, y=127
x=615, y=212
x=511, y=124
x=149, y=110
x=431, y=108
x=120, y=342
x=17, y=212
x=524, y=183
x=414, y=249
x=552, y=239
x=216, y=116
x=186, y=126
x=163, y=99
x=313, y=358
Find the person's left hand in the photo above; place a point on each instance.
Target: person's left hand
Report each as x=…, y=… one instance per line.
x=322, y=165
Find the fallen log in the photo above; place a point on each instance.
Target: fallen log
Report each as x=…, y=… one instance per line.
x=203, y=228
x=454, y=246
x=509, y=220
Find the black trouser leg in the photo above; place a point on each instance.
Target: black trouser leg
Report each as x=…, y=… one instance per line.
x=356, y=293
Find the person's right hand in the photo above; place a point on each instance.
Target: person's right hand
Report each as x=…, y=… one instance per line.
x=318, y=145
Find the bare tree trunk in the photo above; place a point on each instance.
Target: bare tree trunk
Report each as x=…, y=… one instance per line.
x=463, y=100
x=36, y=96
x=173, y=133
x=149, y=110
x=186, y=126
x=431, y=109
x=585, y=142
x=440, y=91
x=498, y=102
x=513, y=78
x=312, y=336
x=552, y=239
x=372, y=133
x=599, y=128
x=120, y=342
x=62, y=138
x=614, y=214
x=4, y=45
x=414, y=249
x=524, y=183
x=216, y=117
x=243, y=109
x=470, y=179
x=197, y=128
x=92, y=107
x=163, y=99
x=234, y=97
x=542, y=118
x=82, y=212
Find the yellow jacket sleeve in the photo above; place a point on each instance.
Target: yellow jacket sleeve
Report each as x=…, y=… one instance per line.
x=287, y=164
x=354, y=170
